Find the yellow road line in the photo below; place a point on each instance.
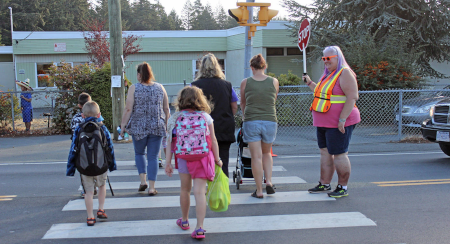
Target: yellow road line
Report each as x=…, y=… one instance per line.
x=5, y=199
x=8, y=196
x=409, y=181
x=418, y=184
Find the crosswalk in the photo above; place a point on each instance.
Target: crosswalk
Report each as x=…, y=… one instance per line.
x=229, y=224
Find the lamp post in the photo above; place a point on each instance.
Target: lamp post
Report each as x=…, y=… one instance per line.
x=14, y=60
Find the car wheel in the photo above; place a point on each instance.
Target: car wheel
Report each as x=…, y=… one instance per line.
x=445, y=147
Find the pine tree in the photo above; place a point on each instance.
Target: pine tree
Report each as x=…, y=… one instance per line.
x=197, y=10
x=175, y=22
x=221, y=17
x=187, y=15
x=205, y=21
x=423, y=24
x=145, y=16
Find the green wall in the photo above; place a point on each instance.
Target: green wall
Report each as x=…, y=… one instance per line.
x=47, y=46
x=278, y=38
x=166, y=72
x=30, y=72
x=281, y=65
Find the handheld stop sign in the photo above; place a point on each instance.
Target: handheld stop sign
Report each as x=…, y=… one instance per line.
x=303, y=38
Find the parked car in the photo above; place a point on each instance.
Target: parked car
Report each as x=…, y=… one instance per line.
x=416, y=110
x=437, y=128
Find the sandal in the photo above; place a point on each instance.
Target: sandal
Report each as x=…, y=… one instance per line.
x=198, y=234
x=153, y=193
x=254, y=195
x=101, y=214
x=142, y=187
x=270, y=189
x=90, y=221
x=184, y=225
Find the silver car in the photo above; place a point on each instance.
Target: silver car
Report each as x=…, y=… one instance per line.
x=416, y=110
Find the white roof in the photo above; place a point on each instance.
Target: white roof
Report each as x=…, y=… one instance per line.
x=18, y=35
x=6, y=50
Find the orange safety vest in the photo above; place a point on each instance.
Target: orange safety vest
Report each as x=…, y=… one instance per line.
x=323, y=93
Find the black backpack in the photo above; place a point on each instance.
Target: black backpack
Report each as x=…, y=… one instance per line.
x=91, y=147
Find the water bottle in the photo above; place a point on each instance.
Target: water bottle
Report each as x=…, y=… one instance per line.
x=125, y=136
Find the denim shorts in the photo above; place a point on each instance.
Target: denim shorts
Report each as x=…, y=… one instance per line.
x=260, y=130
x=333, y=140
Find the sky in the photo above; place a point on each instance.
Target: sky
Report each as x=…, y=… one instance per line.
x=227, y=4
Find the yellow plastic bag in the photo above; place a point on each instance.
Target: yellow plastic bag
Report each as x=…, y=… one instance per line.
x=218, y=195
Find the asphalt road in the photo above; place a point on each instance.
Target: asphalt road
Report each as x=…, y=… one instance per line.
x=401, y=188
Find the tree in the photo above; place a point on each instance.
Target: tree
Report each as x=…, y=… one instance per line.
x=423, y=24
x=64, y=15
x=145, y=16
x=174, y=21
x=97, y=43
x=187, y=15
x=223, y=20
x=204, y=17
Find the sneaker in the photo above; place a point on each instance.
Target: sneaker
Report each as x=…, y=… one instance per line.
x=339, y=192
x=160, y=163
x=320, y=188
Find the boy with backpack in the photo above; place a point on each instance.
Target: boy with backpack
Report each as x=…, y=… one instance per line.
x=78, y=119
x=92, y=154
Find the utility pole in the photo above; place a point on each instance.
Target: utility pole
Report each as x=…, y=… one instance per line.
x=12, y=45
x=116, y=51
x=248, y=43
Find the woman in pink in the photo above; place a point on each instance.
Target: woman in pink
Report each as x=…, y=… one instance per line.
x=335, y=116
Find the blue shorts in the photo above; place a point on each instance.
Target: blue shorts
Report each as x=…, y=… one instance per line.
x=333, y=140
x=260, y=130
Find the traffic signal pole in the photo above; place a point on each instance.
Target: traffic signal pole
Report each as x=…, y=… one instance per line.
x=116, y=51
x=248, y=43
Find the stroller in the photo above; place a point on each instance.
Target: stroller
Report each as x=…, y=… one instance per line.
x=244, y=161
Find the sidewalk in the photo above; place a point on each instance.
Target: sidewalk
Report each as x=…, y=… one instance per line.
x=56, y=148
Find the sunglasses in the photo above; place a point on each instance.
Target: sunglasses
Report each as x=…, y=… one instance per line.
x=328, y=58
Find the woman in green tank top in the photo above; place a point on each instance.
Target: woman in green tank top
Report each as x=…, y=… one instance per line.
x=258, y=97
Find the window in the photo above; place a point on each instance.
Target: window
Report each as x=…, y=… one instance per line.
x=296, y=51
x=42, y=74
x=196, y=66
x=275, y=51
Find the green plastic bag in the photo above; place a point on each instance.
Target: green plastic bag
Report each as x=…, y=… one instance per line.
x=218, y=195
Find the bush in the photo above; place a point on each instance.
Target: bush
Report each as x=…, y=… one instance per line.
x=382, y=64
x=5, y=108
x=70, y=79
x=288, y=79
x=100, y=91
x=82, y=78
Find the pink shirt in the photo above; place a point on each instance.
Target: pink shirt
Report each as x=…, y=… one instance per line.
x=330, y=119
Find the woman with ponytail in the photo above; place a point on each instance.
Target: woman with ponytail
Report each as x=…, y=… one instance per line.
x=258, y=96
x=145, y=118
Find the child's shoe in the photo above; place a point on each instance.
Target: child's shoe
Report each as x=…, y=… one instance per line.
x=184, y=225
x=198, y=234
x=160, y=163
x=90, y=221
x=101, y=214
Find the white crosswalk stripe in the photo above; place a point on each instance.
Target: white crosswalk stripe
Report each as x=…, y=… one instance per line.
x=174, y=201
x=176, y=183
x=215, y=225
x=134, y=172
x=229, y=224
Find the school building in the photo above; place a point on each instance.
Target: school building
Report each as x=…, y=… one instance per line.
x=173, y=55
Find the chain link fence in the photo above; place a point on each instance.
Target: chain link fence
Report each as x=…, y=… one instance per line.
x=380, y=117
x=25, y=110
x=381, y=120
